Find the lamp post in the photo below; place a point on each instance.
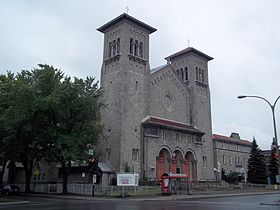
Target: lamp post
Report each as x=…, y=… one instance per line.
x=274, y=123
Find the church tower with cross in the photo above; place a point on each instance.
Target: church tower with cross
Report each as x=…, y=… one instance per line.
x=125, y=77
x=156, y=120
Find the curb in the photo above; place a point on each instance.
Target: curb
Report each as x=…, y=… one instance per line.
x=13, y=202
x=199, y=196
x=153, y=197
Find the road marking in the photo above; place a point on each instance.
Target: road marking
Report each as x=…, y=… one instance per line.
x=271, y=204
x=213, y=202
x=14, y=202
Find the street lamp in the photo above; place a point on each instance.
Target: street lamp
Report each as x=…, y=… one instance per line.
x=274, y=122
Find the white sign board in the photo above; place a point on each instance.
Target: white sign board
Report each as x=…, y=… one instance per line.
x=127, y=179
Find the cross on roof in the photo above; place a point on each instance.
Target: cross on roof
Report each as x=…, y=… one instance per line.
x=126, y=9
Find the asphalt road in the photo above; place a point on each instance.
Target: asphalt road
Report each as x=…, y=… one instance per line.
x=252, y=202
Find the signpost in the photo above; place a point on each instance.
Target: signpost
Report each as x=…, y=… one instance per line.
x=127, y=179
x=93, y=164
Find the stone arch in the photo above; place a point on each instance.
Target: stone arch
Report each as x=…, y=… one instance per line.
x=191, y=165
x=163, y=161
x=165, y=148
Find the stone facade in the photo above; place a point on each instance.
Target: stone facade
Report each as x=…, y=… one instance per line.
x=156, y=121
x=231, y=154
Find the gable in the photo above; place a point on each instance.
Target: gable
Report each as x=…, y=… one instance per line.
x=160, y=75
x=168, y=96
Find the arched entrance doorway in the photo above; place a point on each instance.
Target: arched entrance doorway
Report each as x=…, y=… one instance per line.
x=163, y=162
x=177, y=162
x=190, y=166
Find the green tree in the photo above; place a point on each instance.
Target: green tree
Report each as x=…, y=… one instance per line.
x=273, y=163
x=49, y=116
x=20, y=122
x=72, y=116
x=75, y=119
x=256, y=165
x=5, y=86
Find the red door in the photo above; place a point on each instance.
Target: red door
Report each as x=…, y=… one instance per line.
x=174, y=165
x=159, y=167
x=186, y=168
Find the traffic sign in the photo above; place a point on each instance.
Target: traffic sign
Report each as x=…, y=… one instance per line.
x=90, y=151
x=36, y=172
x=278, y=179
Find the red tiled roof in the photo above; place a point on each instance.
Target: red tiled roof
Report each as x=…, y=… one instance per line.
x=170, y=123
x=231, y=140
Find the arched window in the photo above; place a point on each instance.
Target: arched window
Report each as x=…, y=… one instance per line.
x=118, y=46
x=199, y=75
x=178, y=71
x=205, y=161
x=182, y=74
x=131, y=46
x=110, y=49
x=114, y=48
x=141, y=49
x=136, y=48
x=135, y=154
x=202, y=75
x=136, y=85
x=186, y=74
x=196, y=71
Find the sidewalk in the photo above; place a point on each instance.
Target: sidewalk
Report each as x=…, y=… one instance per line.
x=195, y=195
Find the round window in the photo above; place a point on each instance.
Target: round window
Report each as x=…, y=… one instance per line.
x=168, y=102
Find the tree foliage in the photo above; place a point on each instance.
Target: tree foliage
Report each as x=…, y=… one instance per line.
x=256, y=165
x=273, y=163
x=5, y=86
x=48, y=116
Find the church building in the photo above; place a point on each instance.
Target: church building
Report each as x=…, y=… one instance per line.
x=156, y=120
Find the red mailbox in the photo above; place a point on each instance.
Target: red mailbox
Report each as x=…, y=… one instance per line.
x=171, y=183
x=165, y=185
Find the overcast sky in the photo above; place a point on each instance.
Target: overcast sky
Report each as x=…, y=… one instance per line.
x=242, y=36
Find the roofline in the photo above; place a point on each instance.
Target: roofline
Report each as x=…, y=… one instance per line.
x=218, y=137
x=152, y=120
x=189, y=50
x=157, y=69
x=125, y=16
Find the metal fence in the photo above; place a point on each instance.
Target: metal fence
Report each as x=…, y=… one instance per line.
x=86, y=189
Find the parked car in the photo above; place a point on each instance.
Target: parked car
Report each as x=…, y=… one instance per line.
x=10, y=190
x=234, y=177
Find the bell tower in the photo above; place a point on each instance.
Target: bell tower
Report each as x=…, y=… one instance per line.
x=125, y=75
x=191, y=65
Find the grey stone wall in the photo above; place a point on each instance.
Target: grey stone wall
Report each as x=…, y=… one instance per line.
x=231, y=156
x=125, y=84
x=154, y=143
x=166, y=83
x=132, y=93
x=199, y=108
